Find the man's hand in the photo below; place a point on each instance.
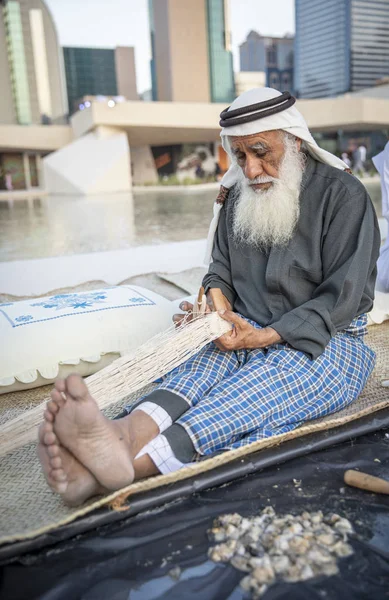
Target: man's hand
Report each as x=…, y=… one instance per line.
x=244, y=336
x=179, y=318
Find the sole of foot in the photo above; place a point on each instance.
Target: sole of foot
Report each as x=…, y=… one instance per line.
x=99, y=444
x=64, y=474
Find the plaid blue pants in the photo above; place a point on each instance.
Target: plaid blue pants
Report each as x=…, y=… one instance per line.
x=236, y=398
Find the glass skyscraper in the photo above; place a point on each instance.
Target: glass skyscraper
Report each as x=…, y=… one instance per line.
x=221, y=71
x=340, y=46
x=271, y=55
x=31, y=64
x=17, y=61
x=191, y=53
x=89, y=72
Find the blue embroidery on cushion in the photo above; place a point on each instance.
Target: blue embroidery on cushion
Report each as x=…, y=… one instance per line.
x=24, y=318
x=79, y=303
x=61, y=301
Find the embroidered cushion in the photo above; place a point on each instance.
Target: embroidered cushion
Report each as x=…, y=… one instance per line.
x=46, y=338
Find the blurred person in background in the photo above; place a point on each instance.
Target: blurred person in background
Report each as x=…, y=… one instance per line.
x=359, y=158
x=381, y=163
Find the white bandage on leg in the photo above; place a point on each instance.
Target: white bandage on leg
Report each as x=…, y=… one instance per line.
x=157, y=413
x=162, y=455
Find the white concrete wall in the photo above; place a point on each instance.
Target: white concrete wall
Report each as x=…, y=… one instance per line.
x=92, y=164
x=143, y=166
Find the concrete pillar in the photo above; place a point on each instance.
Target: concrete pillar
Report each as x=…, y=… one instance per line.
x=143, y=165
x=39, y=166
x=27, y=174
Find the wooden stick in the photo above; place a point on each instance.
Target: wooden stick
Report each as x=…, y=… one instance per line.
x=219, y=301
x=200, y=297
x=366, y=482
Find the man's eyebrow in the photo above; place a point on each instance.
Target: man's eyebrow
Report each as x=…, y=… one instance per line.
x=259, y=146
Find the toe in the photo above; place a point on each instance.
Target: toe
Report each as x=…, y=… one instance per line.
x=44, y=428
x=60, y=385
x=56, y=401
x=76, y=387
x=50, y=438
x=56, y=462
x=61, y=488
x=53, y=450
x=48, y=416
x=58, y=475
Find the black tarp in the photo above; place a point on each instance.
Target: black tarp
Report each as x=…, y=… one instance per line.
x=131, y=558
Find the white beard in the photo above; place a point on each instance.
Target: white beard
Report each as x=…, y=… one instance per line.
x=266, y=218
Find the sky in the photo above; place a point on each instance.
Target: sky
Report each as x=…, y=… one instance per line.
x=110, y=23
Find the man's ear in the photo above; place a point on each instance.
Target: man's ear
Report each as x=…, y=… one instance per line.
x=298, y=142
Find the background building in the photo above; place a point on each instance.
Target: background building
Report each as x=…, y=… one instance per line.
x=191, y=54
x=341, y=46
x=31, y=64
x=99, y=72
x=247, y=80
x=270, y=55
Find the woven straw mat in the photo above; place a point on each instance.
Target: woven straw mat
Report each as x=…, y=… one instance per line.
x=28, y=508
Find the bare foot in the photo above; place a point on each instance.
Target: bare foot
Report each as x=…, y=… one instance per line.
x=102, y=446
x=63, y=472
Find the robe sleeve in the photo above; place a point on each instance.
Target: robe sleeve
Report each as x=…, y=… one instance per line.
x=219, y=272
x=350, y=249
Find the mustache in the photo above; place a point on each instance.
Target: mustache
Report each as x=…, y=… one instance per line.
x=260, y=179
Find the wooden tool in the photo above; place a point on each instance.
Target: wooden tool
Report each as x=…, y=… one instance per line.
x=219, y=301
x=366, y=482
x=200, y=304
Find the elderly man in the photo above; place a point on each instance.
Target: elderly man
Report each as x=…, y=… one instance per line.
x=294, y=242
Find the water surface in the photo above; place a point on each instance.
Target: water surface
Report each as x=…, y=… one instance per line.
x=64, y=225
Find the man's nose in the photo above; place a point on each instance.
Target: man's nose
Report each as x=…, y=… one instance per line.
x=253, y=167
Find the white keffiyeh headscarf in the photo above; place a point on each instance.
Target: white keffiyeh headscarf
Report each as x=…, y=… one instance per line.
x=290, y=120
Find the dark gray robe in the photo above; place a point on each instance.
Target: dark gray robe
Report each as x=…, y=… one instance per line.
x=316, y=285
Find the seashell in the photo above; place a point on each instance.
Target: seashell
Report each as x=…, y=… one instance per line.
x=332, y=518
x=344, y=526
x=217, y=535
x=256, y=549
x=327, y=539
x=241, y=563
x=299, y=545
x=280, y=564
x=306, y=573
x=319, y=556
x=269, y=510
x=342, y=549
x=296, y=528
x=317, y=517
x=329, y=569
x=264, y=574
x=232, y=532
x=223, y=552
x=270, y=547
x=230, y=519
x=257, y=561
x=245, y=583
x=281, y=543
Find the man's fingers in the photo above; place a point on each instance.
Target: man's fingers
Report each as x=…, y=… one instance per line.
x=178, y=319
x=187, y=306
x=226, y=342
x=231, y=317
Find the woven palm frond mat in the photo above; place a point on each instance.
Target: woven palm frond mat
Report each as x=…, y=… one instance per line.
x=28, y=508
